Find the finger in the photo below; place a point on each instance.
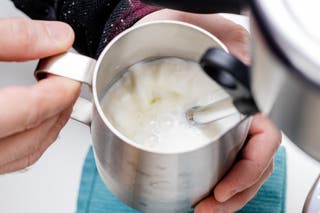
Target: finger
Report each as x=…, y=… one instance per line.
x=23, y=144
x=264, y=140
x=30, y=159
x=25, y=39
x=238, y=201
x=237, y=42
x=233, y=35
x=26, y=108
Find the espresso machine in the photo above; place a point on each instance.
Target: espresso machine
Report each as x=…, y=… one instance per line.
x=283, y=80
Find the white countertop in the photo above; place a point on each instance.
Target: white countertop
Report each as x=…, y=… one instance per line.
x=52, y=184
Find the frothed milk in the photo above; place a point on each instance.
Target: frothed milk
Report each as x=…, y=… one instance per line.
x=148, y=105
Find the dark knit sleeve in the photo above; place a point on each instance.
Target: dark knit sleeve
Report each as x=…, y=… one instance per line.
x=95, y=22
x=38, y=9
x=126, y=14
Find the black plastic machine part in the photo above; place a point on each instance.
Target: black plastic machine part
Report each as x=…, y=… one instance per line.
x=200, y=6
x=233, y=76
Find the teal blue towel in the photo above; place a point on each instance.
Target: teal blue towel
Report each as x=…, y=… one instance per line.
x=94, y=197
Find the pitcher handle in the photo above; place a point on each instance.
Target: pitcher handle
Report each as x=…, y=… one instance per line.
x=74, y=66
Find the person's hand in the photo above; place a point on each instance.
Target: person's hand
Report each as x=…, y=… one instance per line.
x=248, y=174
x=32, y=117
x=256, y=159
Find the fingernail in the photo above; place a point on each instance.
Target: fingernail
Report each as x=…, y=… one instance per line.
x=227, y=196
x=58, y=31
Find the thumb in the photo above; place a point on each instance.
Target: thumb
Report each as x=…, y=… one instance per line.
x=25, y=39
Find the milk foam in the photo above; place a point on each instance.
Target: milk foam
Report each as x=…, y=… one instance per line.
x=148, y=105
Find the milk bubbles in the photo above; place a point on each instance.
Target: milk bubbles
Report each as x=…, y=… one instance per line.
x=148, y=105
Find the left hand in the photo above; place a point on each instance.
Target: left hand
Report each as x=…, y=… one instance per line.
x=255, y=165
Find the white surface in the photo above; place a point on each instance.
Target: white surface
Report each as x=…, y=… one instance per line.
x=52, y=184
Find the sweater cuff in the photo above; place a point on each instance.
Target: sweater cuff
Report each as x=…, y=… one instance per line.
x=126, y=14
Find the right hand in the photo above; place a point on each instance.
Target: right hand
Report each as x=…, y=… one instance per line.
x=32, y=117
